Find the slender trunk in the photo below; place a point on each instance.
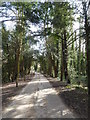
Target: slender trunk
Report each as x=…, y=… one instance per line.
x=8, y=62
x=79, y=52
x=65, y=58
x=57, y=57
x=54, y=65
x=62, y=71
x=87, y=30
x=18, y=66
x=15, y=66
x=50, y=65
x=55, y=71
x=75, y=63
x=62, y=65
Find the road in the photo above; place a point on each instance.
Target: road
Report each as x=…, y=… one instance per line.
x=38, y=99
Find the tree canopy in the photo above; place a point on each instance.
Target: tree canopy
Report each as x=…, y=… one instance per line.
x=65, y=50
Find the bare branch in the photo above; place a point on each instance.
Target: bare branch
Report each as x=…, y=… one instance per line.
x=8, y=20
x=73, y=33
x=76, y=39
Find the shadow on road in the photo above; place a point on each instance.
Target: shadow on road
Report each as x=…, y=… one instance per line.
x=40, y=95
x=76, y=99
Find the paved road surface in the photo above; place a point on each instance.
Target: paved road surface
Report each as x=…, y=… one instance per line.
x=38, y=100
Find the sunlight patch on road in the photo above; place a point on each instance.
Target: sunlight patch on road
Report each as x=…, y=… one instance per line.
x=47, y=91
x=37, y=81
x=67, y=111
x=40, y=104
x=9, y=109
x=21, y=107
x=18, y=116
x=22, y=97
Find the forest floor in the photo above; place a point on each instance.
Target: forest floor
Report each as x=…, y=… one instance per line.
x=9, y=90
x=75, y=97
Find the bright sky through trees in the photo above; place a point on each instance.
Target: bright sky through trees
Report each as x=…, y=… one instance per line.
x=10, y=26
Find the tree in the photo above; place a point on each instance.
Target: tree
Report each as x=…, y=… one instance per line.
x=16, y=39
x=87, y=31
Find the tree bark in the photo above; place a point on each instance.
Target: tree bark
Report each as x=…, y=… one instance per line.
x=18, y=66
x=65, y=58
x=87, y=30
x=62, y=65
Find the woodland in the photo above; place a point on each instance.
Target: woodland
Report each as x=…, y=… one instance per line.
x=58, y=47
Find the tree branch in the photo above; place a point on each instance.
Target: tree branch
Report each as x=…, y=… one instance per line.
x=73, y=33
x=76, y=39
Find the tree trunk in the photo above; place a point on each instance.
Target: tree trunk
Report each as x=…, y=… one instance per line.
x=62, y=65
x=79, y=51
x=57, y=57
x=87, y=30
x=18, y=66
x=15, y=66
x=54, y=65
x=9, y=73
x=65, y=58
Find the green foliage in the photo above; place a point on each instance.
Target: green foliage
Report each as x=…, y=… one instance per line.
x=56, y=21
x=62, y=15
